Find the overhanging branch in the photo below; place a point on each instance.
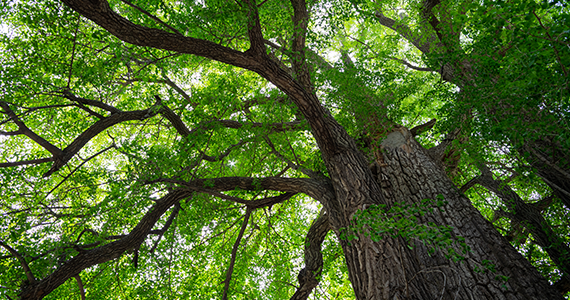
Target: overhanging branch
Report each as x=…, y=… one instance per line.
x=106, y=252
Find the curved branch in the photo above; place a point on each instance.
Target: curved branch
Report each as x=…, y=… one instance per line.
x=70, y=96
x=23, y=263
x=317, y=189
x=308, y=276
x=101, y=13
x=55, y=151
x=529, y=217
x=234, y=254
x=94, y=130
x=424, y=45
x=106, y=252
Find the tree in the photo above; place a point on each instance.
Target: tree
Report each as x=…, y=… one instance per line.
x=165, y=149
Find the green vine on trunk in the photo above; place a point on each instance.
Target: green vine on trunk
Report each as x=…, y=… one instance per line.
x=401, y=220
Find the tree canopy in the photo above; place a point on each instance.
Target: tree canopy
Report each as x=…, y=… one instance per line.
x=192, y=149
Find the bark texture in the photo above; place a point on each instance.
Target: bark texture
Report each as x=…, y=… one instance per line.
x=389, y=269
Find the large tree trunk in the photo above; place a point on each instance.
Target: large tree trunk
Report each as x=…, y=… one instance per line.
x=389, y=269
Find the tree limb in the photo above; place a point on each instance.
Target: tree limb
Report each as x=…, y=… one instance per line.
x=23, y=263
x=309, y=276
x=94, y=130
x=26, y=162
x=317, y=189
x=80, y=286
x=106, y=252
x=234, y=254
x=55, y=151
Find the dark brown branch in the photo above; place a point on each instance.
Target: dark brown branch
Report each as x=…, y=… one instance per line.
x=94, y=130
x=104, y=253
x=409, y=65
x=101, y=13
x=69, y=96
x=423, y=127
x=234, y=254
x=26, y=162
x=317, y=189
x=290, y=164
x=153, y=17
x=9, y=133
x=469, y=184
x=173, y=118
x=55, y=151
x=308, y=276
x=257, y=47
x=78, y=167
x=23, y=263
x=300, y=22
x=165, y=227
x=529, y=217
x=80, y=286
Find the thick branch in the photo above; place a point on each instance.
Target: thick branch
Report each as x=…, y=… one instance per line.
x=423, y=127
x=308, y=276
x=104, y=253
x=94, y=130
x=101, y=13
x=300, y=22
x=317, y=189
x=26, y=162
x=529, y=217
x=257, y=47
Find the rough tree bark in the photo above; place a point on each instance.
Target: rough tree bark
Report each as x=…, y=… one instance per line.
x=390, y=270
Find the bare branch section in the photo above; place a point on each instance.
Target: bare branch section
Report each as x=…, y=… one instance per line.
x=327, y=131
x=317, y=189
x=106, y=252
x=423, y=127
x=80, y=286
x=257, y=47
x=529, y=217
x=70, y=96
x=23, y=263
x=101, y=13
x=300, y=22
x=234, y=254
x=26, y=162
x=308, y=276
x=94, y=130
x=424, y=45
x=55, y=151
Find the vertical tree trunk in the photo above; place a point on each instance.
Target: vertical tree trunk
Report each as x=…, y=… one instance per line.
x=389, y=269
